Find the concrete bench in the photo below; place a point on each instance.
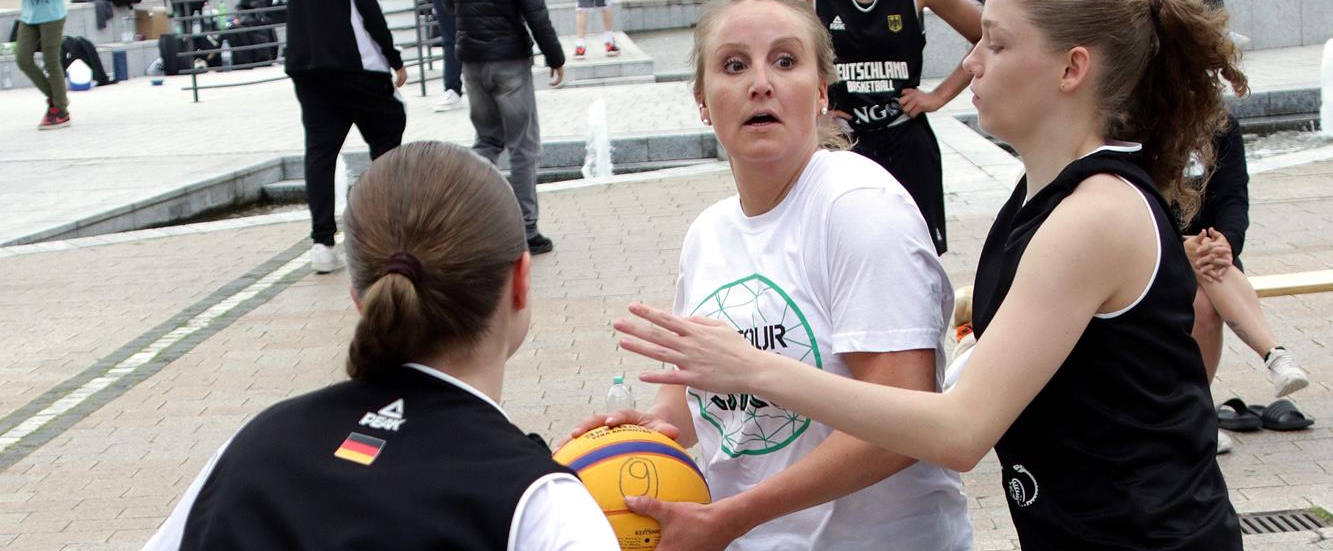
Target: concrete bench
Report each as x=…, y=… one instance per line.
x=1293, y=284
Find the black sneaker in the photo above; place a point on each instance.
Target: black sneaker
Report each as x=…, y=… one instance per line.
x=539, y=244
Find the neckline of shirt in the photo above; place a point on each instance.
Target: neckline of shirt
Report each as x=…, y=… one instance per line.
x=1116, y=146
x=761, y=221
x=458, y=383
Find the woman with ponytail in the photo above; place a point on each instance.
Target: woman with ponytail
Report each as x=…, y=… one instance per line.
x=414, y=451
x=1084, y=377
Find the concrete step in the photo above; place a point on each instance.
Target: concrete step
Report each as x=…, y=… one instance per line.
x=285, y=191
x=660, y=149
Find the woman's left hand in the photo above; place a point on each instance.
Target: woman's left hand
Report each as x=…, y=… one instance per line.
x=688, y=526
x=915, y=102
x=709, y=354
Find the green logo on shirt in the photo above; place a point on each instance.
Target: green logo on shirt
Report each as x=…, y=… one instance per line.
x=766, y=316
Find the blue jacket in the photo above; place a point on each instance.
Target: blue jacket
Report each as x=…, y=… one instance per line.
x=36, y=12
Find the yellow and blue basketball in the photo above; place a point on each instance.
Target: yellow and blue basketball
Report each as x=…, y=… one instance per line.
x=630, y=460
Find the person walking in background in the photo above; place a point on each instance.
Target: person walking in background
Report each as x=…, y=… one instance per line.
x=495, y=47
x=581, y=26
x=453, y=69
x=42, y=25
x=880, y=46
x=342, y=62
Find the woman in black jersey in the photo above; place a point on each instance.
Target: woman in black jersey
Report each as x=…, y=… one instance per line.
x=878, y=47
x=1084, y=378
x=414, y=451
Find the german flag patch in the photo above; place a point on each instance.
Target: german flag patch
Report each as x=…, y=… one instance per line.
x=359, y=448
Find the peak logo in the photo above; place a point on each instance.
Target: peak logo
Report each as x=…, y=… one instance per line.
x=837, y=25
x=389, y=417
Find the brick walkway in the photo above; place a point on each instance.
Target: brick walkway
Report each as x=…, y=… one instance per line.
x=108, y=479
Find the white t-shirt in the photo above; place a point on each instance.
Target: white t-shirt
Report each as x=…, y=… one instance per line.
x=556, y=513
x=843, y=264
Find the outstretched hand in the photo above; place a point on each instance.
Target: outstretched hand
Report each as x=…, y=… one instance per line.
x=709, y=354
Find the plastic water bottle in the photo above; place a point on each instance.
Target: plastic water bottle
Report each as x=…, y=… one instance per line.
x=210, y=17
x=226, y=55
x=197, y=27
x=619, y=397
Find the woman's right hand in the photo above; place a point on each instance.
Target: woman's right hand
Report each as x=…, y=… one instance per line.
x=644, y=419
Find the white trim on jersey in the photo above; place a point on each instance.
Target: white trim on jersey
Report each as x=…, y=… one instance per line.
x=1157, y=264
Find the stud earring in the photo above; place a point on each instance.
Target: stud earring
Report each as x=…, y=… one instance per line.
x=823, y=110
x=708, y=122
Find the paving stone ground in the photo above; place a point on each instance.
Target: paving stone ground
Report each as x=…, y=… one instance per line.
x=109, y=479
x=105, y=476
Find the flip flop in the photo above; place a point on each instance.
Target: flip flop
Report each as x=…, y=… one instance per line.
x=1234, y=415
x=1282, y=415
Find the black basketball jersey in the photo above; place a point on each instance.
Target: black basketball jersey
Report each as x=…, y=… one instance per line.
x=402, y=460
x=1118, y=451
x=878, y=50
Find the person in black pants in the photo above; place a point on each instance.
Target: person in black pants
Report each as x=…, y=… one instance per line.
x=342, y=62
x=453, y=69
x=879, y=46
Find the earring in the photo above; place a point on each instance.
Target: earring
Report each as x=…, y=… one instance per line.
x=823, y=110
x=708, y=122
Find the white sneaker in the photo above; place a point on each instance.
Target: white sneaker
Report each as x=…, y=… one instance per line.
x=1223, y=442
x=448, y=102
x=325, y=259
x=1288, y=377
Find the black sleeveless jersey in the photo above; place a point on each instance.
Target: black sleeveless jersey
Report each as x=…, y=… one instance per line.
x=400, y=461
x=878, y=50
x=1118, y=451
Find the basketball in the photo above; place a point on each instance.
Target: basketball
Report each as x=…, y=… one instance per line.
x=630, y=460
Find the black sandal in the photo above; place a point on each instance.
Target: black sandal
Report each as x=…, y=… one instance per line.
x=1234, y=415
x=1282, y=415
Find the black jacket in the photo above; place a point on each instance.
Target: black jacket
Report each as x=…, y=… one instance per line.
x=497, y=30
x=320, y=35
x=446, y=471
x=1226, y=199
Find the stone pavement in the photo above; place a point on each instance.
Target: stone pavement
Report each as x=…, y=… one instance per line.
x=105, y=474
x=133, y=357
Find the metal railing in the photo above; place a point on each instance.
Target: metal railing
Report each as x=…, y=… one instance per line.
x=203, y=35
x=424, y=43
x=201, y=38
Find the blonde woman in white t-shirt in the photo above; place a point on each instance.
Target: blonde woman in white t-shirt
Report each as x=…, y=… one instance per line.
x=822, y=257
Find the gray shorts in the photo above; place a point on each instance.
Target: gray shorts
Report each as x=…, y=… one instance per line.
x=592, y=4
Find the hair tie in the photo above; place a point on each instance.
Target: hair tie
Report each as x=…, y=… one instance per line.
x=405, y=264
